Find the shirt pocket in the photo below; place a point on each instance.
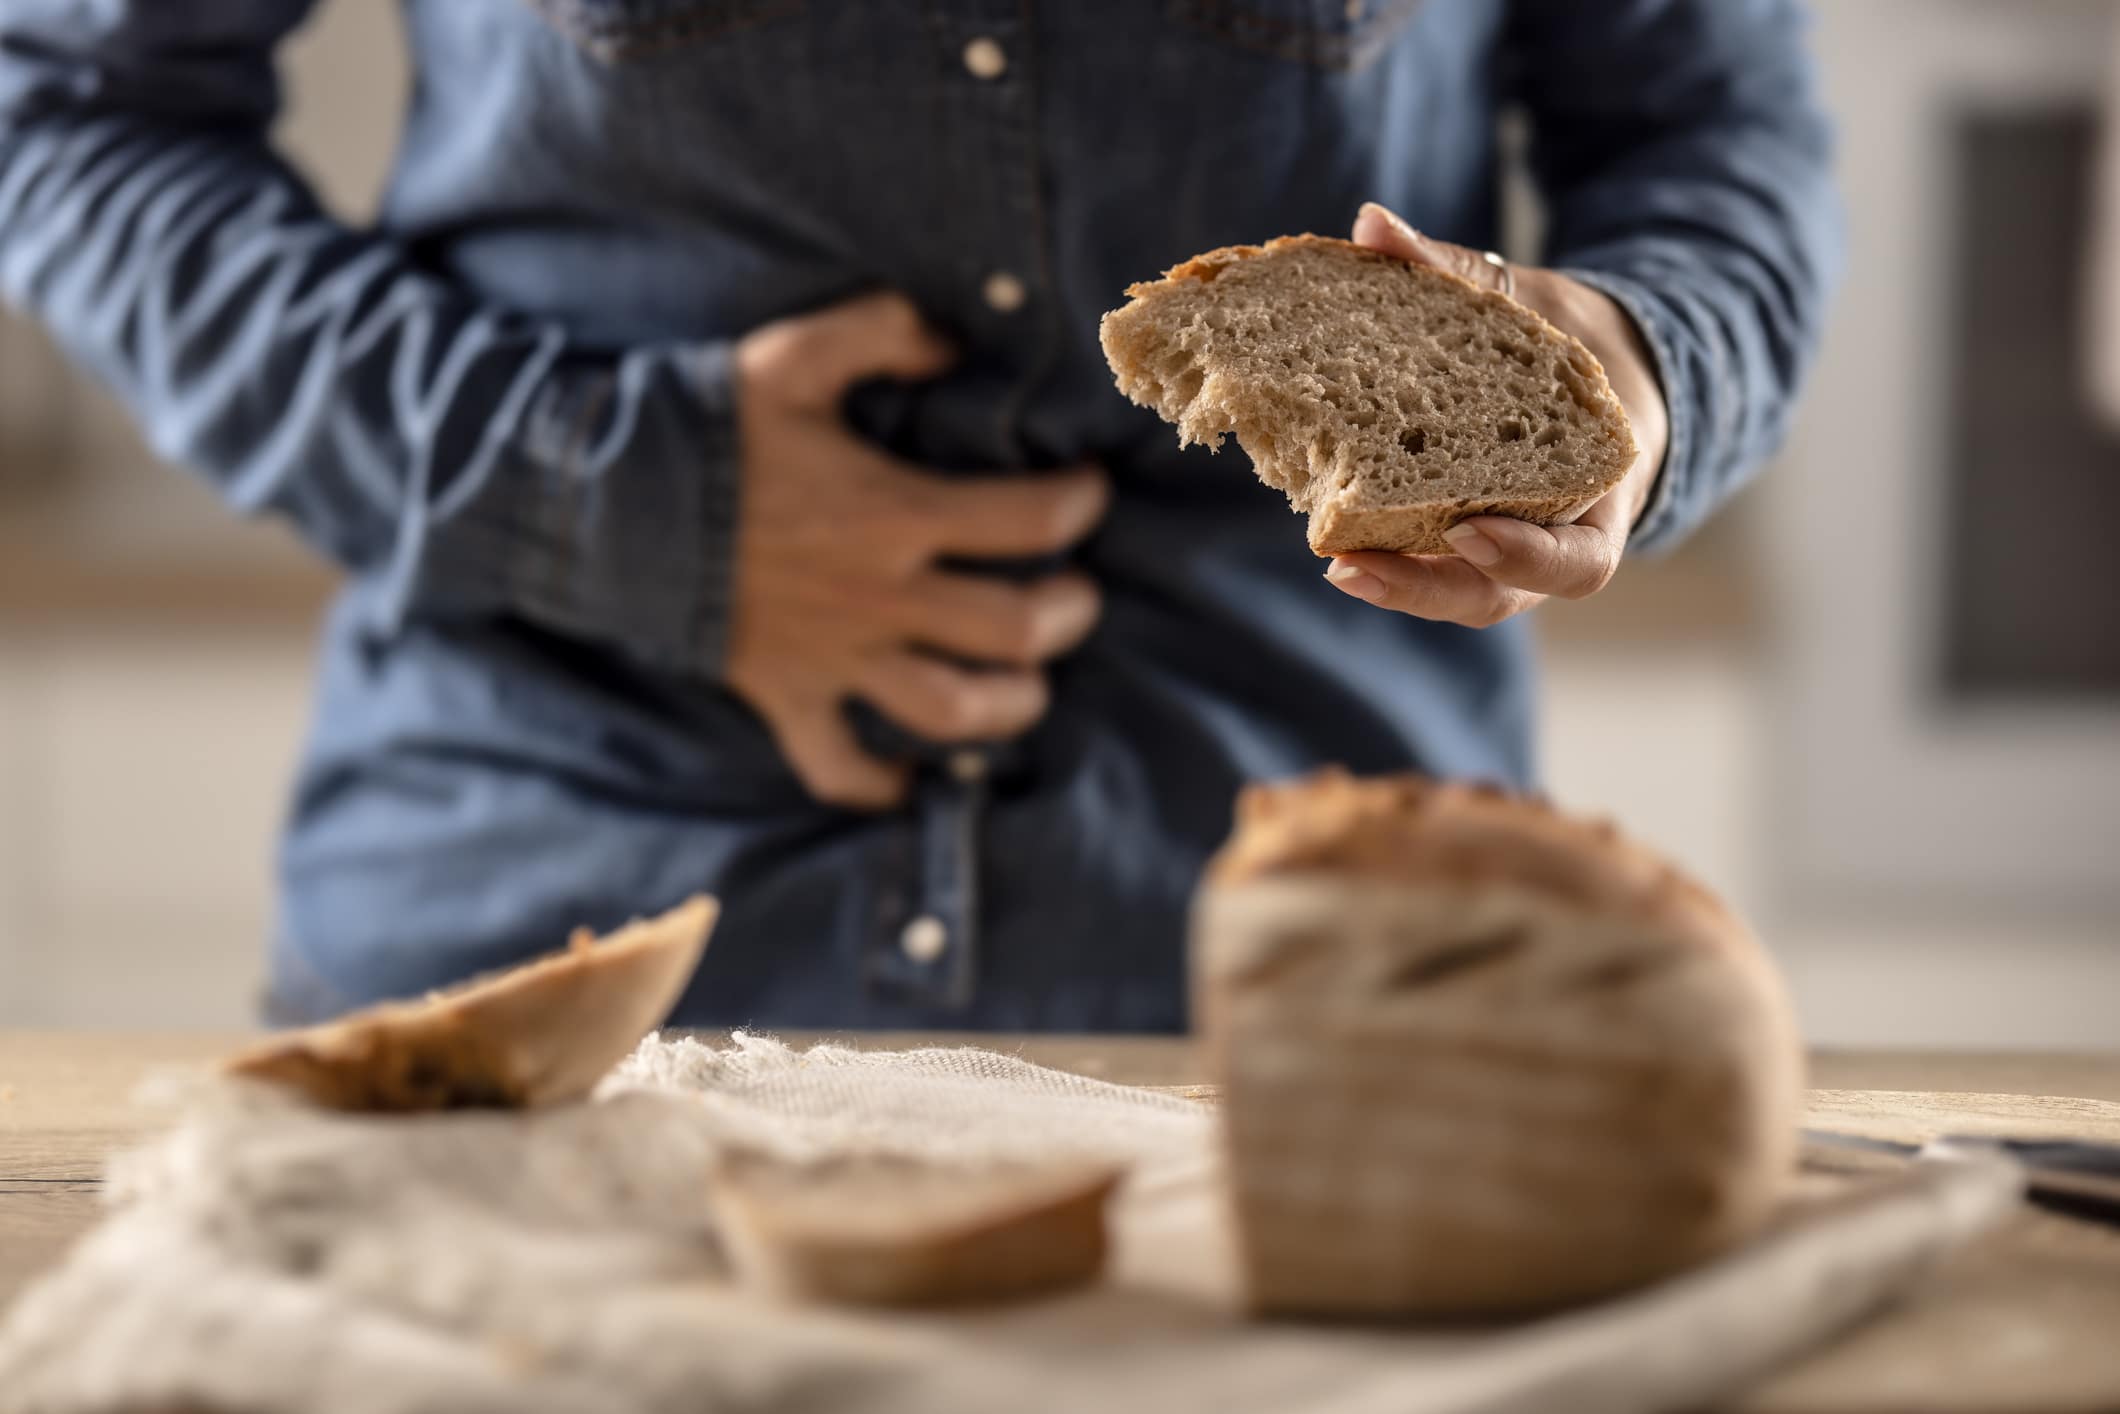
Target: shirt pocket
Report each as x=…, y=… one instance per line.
x=615, y=31
x=1325, y=34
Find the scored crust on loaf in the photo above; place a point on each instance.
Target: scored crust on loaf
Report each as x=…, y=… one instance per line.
x=1387, y=400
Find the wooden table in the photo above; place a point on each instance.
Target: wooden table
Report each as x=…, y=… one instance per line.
x=2029, y=1320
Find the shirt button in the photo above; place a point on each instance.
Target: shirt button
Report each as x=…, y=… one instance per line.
x=968, y=767
x=984, y=58
x=924, y=938
x=1004, y=292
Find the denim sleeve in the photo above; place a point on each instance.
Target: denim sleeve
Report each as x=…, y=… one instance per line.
x=1687, y=167
x=469, y=460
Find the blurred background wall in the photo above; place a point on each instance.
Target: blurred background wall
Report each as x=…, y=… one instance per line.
x=1872, y=704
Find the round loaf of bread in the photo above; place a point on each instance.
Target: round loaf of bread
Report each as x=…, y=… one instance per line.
x=1479, y=1057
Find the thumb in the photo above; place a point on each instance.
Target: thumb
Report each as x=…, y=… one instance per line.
x=1387, y=231
x=810, y=360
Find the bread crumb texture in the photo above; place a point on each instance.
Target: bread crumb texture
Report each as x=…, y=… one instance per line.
x=1387, y=400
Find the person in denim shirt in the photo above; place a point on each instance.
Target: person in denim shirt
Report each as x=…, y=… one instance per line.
x=731, y=492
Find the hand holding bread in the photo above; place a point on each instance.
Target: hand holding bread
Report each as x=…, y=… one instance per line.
x=1503, y=566
x=1461, y=454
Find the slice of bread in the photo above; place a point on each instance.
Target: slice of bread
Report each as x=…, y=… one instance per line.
x=1477, y=1057
x=887, y=1231
x=1389, y=401
x=538, y=1034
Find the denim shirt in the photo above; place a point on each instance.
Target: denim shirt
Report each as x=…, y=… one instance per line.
x=506, y=412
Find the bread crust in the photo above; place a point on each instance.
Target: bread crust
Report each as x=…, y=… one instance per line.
x=880, y=1231
x=1207, y=265
x=541, y=1033
x=1412, y=829
x=1418, y=530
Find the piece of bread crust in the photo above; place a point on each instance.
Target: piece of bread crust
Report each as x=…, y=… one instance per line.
x=899, y=1232
x=538, y=1034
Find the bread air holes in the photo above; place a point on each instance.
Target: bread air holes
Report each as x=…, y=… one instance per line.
x=1413, y=441
x=1547, y=436
x=1178, y=380
x=1512, y=430
x=1411, y=402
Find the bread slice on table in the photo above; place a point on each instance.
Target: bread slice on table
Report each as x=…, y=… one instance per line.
x=1478, y=1057
x=899, y=1232
x=1388, y=400
x=538, y=1034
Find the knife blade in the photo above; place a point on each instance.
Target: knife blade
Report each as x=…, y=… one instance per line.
x=2074, y=1177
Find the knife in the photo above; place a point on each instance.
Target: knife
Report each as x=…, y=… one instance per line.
x=2068, y=1176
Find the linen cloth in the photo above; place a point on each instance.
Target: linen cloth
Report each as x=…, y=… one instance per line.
x=269, y=1256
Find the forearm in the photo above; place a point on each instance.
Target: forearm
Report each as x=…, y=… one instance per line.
x=1696, y=191
x=475, y=462
x=1731, y=338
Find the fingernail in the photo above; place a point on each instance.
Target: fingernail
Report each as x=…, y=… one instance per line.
x=1392, y=219
x=1398, y=223
x=1472, y=545
x=1360, y=583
